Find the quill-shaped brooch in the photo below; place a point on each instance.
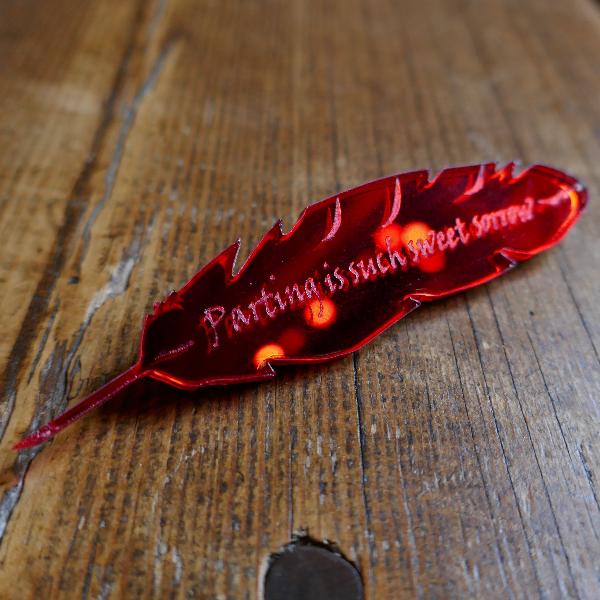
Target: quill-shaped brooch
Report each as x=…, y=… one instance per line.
x=351, y=266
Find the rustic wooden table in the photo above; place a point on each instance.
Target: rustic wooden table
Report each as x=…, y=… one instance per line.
x=455, y=456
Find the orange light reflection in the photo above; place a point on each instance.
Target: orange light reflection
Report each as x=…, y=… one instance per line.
x=393, y=232
x=417, y=230
x=400, y=236
x=267, y=352
x=320, y=313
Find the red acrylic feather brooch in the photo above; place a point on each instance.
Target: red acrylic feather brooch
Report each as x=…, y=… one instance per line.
x=351, y=266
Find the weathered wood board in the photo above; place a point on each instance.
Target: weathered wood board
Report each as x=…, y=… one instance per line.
x=458, y=455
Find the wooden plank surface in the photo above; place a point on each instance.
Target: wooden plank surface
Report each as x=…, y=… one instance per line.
x=455, y=456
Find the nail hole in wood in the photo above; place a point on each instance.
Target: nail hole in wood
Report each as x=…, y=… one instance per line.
x=306, y=568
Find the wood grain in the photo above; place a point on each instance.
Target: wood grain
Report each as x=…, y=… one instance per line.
x=457, y=455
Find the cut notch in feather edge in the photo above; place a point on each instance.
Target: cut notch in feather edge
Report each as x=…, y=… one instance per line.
x=333, y=225
x=274, y=235
x=228, y=256
x=394, y=211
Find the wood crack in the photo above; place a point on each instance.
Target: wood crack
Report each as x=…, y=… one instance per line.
x=74, y=212
x=533, y=447
x=478, y=458
x=117, y=155
x=503, y=449
x=361, y=443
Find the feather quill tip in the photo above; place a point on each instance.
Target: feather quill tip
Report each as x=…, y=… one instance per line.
x=34, y=439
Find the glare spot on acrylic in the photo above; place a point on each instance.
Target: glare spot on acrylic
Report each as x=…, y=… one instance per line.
x=267, y=352
x=417, y=230
x=392, y=232
x=320, y=313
